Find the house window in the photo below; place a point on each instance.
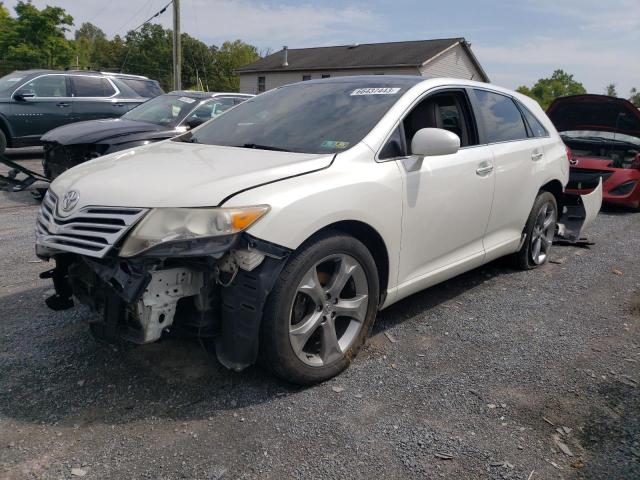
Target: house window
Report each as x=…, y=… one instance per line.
x=326, y=75
x=261, y=84
x=306, y=77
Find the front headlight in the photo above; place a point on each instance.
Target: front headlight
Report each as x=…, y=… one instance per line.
x=175, y=226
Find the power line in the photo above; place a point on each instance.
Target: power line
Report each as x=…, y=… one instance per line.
x=157, y=14
x=149, y=2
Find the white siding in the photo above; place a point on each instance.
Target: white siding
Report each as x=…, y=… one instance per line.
x=455, y=63
x=249, y=81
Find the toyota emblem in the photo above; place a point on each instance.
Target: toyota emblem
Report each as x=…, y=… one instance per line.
x=70, y=200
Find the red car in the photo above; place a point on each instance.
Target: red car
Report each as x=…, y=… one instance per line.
x=603, y=134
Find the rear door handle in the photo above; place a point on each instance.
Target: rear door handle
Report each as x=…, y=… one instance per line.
x=484, y=169
x=118, y=104
x=63, y=104
x=535, y=156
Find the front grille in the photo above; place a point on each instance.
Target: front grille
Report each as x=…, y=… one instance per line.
x=59, y=158
x=582, y=178
x=91, y=231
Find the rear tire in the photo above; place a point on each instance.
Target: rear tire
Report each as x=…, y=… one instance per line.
x=321, y=310
x=539, y=230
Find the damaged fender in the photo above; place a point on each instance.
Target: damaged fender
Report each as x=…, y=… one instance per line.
x=579, y=212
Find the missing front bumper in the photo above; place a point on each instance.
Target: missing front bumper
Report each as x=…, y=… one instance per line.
x=211, y=297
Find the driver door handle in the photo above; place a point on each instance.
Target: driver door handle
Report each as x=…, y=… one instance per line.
x=484, y=169
x=535, y=156
x=63, y=104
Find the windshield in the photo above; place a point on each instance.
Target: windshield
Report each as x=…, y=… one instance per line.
x=168, y=110
x=9, y=82
x=308, y=117
x=598, y=135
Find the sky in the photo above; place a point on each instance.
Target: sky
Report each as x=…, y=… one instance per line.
x=516, y=41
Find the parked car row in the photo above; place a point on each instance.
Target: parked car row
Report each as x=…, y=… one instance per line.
x=35, y=101
x=278, y=230
x=158, y=119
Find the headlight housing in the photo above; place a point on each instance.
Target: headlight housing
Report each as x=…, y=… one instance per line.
x=187, y=231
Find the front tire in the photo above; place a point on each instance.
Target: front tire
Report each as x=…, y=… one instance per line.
x=321, y=310
x=539, y=230
x=3, y=142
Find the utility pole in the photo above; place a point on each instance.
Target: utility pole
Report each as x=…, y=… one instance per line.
x=177, y=48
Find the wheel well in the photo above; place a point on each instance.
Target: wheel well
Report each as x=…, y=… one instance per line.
x=554, y=187
x=374, y=243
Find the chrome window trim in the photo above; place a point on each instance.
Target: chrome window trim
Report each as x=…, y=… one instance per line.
x=35, y=78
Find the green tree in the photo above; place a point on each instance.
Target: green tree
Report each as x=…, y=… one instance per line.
x=37, y=38
x=546, y=90
x=197, y=64
x=7, y=35
x=634, y=97
x=148, y=52
x=88, y=40
x=231, y=56
x=610, y=90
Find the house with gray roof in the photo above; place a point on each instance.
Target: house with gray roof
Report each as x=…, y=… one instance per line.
x=445, y=57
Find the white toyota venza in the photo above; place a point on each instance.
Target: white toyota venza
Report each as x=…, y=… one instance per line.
x=279, y=229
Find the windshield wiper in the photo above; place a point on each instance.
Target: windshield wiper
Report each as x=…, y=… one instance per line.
x=262, y=147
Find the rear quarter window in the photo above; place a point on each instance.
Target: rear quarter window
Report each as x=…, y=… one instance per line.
x=499, y=116
x=144, y=88
x=537, y=129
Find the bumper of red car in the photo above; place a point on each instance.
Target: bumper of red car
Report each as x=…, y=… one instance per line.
x=620, y=186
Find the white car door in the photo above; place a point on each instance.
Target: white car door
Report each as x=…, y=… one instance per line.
x=517, y=158
x=447, y=199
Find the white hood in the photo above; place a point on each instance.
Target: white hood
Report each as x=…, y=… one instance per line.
x=176, y=174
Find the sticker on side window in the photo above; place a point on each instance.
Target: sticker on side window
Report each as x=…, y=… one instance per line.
x=186, y=99
x=334, y=144
x=375, y=91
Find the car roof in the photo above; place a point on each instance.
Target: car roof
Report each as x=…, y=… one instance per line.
x=202, y=95
x=41, y=71
x=373, y=80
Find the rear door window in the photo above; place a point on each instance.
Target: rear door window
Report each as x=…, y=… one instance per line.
x=501, y=119
x=91, y=87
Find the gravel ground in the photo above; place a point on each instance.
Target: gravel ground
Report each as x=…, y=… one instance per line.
x=494, y=374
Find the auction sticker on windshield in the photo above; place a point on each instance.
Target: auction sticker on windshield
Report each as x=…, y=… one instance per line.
x=375, y=91
x=186, y=99
x=334, y=144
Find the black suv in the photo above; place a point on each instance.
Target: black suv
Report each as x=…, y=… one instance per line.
x=33, y=102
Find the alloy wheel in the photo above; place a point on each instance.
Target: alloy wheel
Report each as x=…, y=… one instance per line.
x=328, y=310
x=543, y=232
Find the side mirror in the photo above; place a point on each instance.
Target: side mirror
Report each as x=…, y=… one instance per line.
x=428, y=142
x=22, y=95
x=193, y=122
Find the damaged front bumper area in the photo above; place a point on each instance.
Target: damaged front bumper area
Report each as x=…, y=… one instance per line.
x=218, y=295
x=579, y=211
